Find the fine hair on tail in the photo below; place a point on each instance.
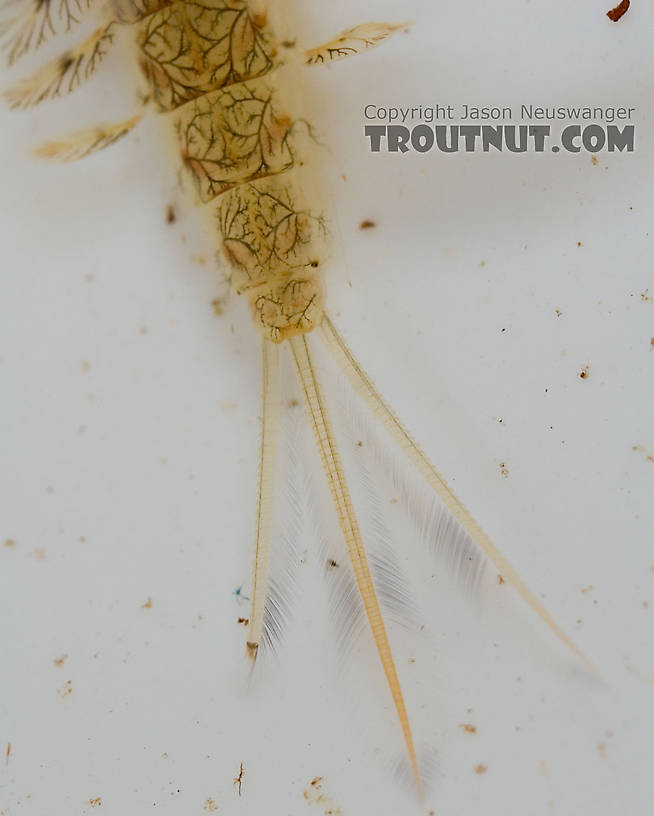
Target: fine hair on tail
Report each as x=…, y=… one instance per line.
x=363, y=385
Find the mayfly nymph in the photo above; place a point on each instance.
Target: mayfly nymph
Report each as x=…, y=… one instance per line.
x=217, y=70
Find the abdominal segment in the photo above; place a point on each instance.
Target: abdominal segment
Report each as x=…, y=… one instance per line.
x=214, y=68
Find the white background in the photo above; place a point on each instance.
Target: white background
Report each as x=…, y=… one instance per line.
x=130, y=432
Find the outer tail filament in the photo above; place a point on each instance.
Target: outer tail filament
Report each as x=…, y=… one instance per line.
x=366, y=389
x=267, y=456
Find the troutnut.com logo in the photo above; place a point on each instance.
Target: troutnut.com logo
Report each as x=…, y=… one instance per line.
x=591, y=129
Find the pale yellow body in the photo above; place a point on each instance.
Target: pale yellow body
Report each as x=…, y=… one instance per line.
x=214, y=67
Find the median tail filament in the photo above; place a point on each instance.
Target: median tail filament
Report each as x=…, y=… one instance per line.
x=333, y=468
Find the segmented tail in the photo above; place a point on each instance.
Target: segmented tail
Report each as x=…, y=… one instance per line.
x=349, y=526
x=367, y=391
x=267, y=455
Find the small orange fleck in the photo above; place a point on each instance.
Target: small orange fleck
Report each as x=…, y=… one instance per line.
x=500, y=580
x=579, y=243
x=367, y=224
x=9, y=542
x=85, y=366
x=210, y=806
x=7, y=753
x=584, y=374
x=244, y=621
x=469, y=728
x=594, y=160
x=95, y=802
x=171, y=214
x=59, y=661
x=504, y=469
x=147, y=604
x=480, y=769
x=38, y=554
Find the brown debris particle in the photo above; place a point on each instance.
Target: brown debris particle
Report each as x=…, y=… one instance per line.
x=584, y=374
x=619, y=11
x=210, y=806
x=38, y=554
x=557, y=312
x=331, y=564
x=579, y=243
x=480, y=769
x=594, y=160
x=469, y=728
x=651, y=342
x=95, y=802
x=66, y=690
x=500, y=580
x=59, y=661
x=646, y=298
x=314, y=795
x=147, y=604
x=244, y=621
x=9, y=542
x=585, y=590
x=367, y=224
x=504, y=470
x=293, y=403
x=171, y=214
x=85, y=366
x=238, y=780
x=7, y=753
